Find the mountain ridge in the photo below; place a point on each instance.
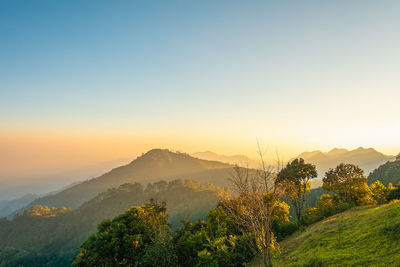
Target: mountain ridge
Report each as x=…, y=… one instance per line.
x=237, y=159
x=367, y=159
x=155, y=165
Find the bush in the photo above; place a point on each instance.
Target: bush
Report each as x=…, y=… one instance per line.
x=394, y=194
x=312, y=215
x=283, y=230
x=327, y=205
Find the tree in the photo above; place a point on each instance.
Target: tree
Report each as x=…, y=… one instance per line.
x=349, y=184
x=326, y=205
x=129, y=240
x=379, y=192
x=254, y=205
x=394, y=193
x=217, y=242
x=296, y=180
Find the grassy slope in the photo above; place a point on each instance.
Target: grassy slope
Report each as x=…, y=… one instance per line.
x=370, y=237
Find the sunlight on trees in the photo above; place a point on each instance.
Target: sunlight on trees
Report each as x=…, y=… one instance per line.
x=296, y=181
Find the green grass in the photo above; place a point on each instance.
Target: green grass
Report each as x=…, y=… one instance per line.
x=370, y=236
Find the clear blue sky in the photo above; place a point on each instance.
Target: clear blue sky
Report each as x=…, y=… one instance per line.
x=297, y=74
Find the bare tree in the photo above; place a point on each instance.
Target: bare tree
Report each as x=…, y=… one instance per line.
x=254, y=203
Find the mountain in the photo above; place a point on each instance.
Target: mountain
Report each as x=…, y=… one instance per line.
x=387, y=173
x=366, y=158
x=155, y=165
x=42, y=236
x=8, y=207
x=240, y=160
x=369, y=237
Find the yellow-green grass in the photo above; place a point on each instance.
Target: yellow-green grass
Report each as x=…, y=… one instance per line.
x=369, y=236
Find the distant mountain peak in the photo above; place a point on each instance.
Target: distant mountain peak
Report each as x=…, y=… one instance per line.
x=364, y=149
x=156, y=151
x=154, y=165
x=367, y=158
x=162, y=154
x=336, y=150
x=316, y=154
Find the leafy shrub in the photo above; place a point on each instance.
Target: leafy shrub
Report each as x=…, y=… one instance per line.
x=213, y=243
x=283, y=230
x=312, y=215
x=394, y=194
x=379, y=191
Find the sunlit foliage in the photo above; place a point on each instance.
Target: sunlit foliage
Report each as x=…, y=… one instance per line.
x=296, y=181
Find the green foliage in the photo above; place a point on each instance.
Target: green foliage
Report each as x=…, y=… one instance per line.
x=379, y=191
x=140, y=237
x=283, y=230
x=394, y=194
x=312, y=215
x=295, y=179
x=44, y=236
x=214, y=243
x=130, y=239
x=160, y=253
x=348, y=184
x=386, y=173
x=326, y=205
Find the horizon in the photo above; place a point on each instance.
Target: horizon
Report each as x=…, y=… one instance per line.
x=199, y=133
x=11, y=189
x=86, y=84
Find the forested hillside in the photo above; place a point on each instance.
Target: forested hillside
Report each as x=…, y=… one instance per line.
x=350, y=224
x=387, y=173
x=7, y=207
x=43, y=236
x=155, y=165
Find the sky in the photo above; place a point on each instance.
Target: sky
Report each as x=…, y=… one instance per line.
x=88, y=82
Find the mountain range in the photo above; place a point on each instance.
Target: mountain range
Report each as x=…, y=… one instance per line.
x=240, y=160
x=367, y=159
x=160, y=175
x=153, y=166
x=162, y=164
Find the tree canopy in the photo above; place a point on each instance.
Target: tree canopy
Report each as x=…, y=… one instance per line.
x=127, y=239
x=349, y=184
x=296, y=181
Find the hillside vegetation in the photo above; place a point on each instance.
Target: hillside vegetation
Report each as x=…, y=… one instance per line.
x=361, y=236
x=386, y=173
x=8, y=207
x=43, y=236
